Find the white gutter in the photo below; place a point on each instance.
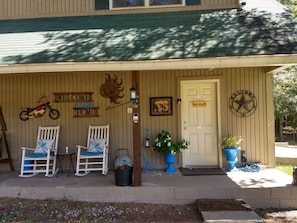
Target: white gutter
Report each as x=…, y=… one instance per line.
x=170, y=64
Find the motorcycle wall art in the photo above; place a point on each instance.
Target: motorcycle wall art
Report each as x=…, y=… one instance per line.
x=39, y=111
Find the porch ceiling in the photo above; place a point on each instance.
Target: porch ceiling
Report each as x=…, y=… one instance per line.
x=255, y=36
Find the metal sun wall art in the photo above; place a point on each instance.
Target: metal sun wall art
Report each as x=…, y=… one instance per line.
x=112, y=89
x=243, y=103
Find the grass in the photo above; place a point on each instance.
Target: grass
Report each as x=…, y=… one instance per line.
x=286, y=168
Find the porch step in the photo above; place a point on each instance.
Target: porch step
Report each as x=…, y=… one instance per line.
x=226, y=210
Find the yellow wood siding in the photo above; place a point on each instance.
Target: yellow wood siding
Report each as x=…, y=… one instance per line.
x=257, y=129
x=253, y=128
x=21, y=91
x=18, y=91
x=16, y=9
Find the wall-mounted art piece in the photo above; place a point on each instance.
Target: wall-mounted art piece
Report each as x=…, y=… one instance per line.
x=112, y=88
x=83, y=103
x=73, y=96
x=161, y=106
x=243, y=103
x=39, y=111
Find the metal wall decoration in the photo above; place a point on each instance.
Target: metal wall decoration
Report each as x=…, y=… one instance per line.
x=243, y=103
x=36, y=112
x=112, y=89
x=83, y=103
x=73, y=96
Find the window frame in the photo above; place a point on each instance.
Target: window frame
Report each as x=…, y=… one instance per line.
x=146, y=5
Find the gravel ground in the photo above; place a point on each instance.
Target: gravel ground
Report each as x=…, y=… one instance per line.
x=25, y=210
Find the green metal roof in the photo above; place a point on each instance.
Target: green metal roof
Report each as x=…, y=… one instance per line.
x=188, y=34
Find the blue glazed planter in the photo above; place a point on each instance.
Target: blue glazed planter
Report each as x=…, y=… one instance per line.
x=231, y=157
x=170, y=160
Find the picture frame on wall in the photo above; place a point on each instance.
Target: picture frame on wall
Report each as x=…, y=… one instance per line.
x=161, y=106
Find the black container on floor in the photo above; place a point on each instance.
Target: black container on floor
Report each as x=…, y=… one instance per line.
x=123, y=175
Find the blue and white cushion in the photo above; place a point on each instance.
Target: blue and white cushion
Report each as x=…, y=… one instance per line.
x=96, y=145
x=43, y=145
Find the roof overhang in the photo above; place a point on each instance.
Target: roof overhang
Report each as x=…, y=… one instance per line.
x=271, y=62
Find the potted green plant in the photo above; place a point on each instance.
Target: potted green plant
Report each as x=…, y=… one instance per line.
x=163, y=144
x=231, y=147
x=231, y=141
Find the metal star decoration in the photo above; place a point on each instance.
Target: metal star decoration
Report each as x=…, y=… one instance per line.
x=243, y=103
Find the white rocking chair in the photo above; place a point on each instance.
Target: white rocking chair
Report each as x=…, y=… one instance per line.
x=94, y=156
x=42, y=159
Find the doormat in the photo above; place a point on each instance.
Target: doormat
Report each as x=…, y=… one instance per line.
x=201, y=171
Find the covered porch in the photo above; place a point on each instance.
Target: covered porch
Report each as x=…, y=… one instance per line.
x=72, y=54
x=267, y=188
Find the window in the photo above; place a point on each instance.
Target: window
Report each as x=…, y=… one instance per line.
x=165, y=2
x=144, y=3
x=123, y=4
x=127, y=3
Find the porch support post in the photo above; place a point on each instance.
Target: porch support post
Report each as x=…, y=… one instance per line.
x=136, y=136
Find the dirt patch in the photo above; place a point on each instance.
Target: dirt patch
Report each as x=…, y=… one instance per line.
x=25, y=210
x=223, y=205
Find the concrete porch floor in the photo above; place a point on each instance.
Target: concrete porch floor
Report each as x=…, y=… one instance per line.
x=267, y=188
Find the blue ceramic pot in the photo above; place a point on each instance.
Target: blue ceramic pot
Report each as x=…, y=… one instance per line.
x=231, y=157
x=170, y=160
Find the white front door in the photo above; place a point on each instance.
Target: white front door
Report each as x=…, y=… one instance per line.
x=200, y=122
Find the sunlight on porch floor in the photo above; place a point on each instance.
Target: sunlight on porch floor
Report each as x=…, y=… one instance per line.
x=263, y=179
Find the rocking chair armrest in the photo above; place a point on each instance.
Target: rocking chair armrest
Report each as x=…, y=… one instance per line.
x=26, y=148
x=105, y=150
x=82, y=147
x=52, y=151
x=51, y=148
